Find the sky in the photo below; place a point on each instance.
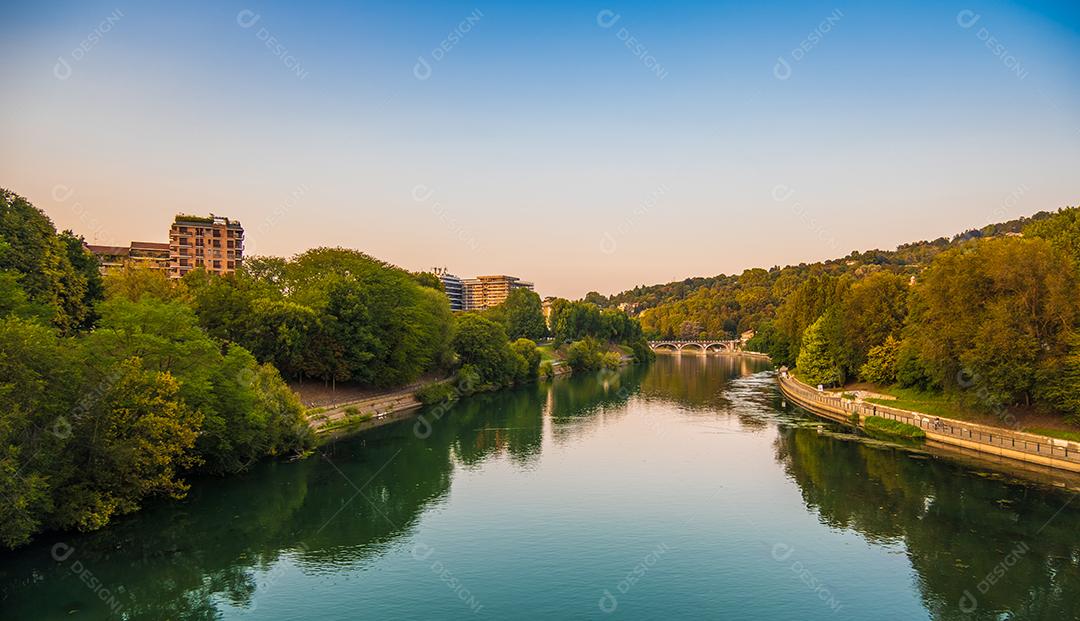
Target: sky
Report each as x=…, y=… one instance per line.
x=582, y=146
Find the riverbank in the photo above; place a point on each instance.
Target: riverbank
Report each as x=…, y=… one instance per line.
x=358, y=411
x=989, y=441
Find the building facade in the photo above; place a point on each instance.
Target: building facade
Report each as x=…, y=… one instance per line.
x=213, y=243
x=484, y=292
x=453, y=287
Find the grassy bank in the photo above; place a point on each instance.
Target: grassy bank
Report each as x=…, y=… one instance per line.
x=892, y=428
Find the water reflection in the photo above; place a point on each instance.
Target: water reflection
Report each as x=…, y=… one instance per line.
x=981, y=547
x=363, y=497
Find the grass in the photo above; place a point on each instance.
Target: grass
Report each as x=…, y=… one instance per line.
x=547, y=353
x=1060, y=434
x=930, y=403
x=889, y=427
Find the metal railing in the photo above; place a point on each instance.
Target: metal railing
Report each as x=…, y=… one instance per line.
x=969, y=432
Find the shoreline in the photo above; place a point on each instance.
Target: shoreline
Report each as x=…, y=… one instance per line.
x=972, y=438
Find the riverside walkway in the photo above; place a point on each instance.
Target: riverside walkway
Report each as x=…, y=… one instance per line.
x=1027, y=447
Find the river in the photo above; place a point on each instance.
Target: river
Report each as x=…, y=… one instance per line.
x=685, y=489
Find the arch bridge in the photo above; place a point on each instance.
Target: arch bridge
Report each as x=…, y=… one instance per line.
x=699, y=346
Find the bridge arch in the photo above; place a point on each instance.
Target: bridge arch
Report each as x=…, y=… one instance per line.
x=693, y=345
x=672, y=347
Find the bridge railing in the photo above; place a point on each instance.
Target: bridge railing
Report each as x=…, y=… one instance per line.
x=970, y=432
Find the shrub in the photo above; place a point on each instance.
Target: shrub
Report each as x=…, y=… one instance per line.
x=547, y=370
x=441, y=392
x=611, y=360
x=584, y=355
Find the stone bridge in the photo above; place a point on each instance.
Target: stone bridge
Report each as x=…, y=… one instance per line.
x=706, y=346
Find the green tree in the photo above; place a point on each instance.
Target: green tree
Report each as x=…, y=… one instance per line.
x=30, y=246
x=1000, y=310
x=881, y=363
x=481, y=345
x=132, y=443
x=526, y=349
x=816, y=364
x=522, y=315
x=585, y=355
x=35, y=410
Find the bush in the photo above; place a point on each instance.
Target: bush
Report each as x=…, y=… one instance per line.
x=441, y=392
x=611, y=360
x=584, y=355
x=527, y=351
x=547, y=370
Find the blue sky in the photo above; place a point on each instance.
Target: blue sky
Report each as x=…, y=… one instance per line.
x=580, y=145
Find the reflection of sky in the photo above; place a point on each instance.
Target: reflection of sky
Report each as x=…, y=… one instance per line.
x=538, y=123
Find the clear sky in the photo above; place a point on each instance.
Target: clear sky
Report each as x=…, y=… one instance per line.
x=584, y=146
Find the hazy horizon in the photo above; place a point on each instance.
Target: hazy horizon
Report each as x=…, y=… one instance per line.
x=542, y=142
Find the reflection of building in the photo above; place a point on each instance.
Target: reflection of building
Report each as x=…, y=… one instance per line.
x=484, y=292
x=545, y=307
x=213, y=243
x=452, y=285
x=154, y=255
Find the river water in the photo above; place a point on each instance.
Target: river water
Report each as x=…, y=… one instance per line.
x=685, y=489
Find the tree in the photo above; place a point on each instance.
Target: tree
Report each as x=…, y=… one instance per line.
x=1001, y=310
x=881, y=362
x=429, y=280
x=523, y=315
x=30, y=246
x=871, y=310
x=585, y=355
x=815, y=363
x=481, y=345
x=526, y=349
x=35, y=410
x=132, y=443
x=1062, y=230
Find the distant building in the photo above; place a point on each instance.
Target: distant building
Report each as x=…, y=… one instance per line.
x=453, y=287
x=213, y=243
x=484, y=292
x=154, y=255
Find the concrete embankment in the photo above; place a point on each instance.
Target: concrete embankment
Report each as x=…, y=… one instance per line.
x=352, y=416
x=983, y=439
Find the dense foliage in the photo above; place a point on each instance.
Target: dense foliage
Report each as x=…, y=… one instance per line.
x=992, y=315
x=93, y=421
x=331, y=314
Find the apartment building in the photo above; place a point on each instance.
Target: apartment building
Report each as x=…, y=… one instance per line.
x=213, y=243
x=453, y=287
x=484, y=292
